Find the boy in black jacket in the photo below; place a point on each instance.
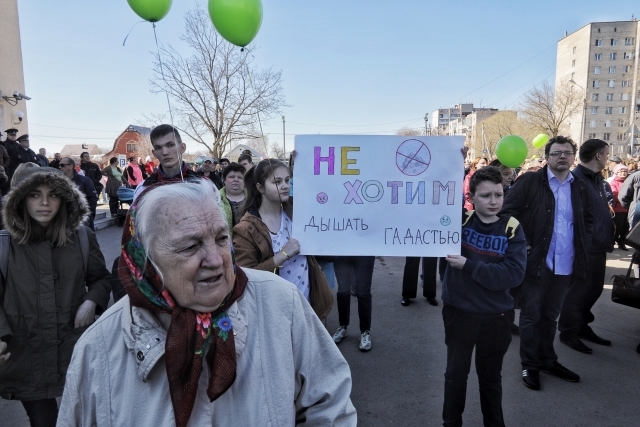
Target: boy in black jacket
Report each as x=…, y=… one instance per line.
x=476, y=299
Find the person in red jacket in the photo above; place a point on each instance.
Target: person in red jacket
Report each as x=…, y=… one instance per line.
x=620, y=173
x=134, y=174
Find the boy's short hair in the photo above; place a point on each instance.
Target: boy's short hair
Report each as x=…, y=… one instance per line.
x=162, y=130
x=245, y=156
x=487, y=173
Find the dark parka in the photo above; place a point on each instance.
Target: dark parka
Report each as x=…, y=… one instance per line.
x=43, y=289
x=603, y=240
x=531, y=201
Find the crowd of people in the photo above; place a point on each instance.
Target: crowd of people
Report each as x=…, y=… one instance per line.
x=209, y=335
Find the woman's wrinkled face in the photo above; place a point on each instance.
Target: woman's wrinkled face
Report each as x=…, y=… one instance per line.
x=42, y=205
x=193, y=253
x=276, y=186
x=622, y=173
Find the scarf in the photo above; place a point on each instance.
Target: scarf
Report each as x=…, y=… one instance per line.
x=191, y=335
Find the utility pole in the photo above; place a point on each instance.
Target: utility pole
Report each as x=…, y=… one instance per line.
x=284, y=143
x=426, y=127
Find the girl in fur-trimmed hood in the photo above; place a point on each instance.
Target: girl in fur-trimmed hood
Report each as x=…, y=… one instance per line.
x=53, y=282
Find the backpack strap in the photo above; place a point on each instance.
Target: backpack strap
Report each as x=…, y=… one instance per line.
x=5, y=245
x=512, y=226
x=84, y=246
x=467, y=217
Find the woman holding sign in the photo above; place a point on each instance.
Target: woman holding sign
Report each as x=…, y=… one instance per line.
x=262, y=239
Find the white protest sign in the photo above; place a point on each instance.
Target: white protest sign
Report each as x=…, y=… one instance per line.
x=378, y=195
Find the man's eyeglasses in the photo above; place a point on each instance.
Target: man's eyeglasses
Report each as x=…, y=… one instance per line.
x=561, y=153
x=64, y=164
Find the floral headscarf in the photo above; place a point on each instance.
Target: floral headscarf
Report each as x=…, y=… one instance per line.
x=191, y=334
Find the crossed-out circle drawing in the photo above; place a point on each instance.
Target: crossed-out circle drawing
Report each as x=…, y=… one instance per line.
x=413, y=157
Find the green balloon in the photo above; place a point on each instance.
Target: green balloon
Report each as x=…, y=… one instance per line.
x=238, y=21
x=150, y=10
x=540, y=140
x=511, y=151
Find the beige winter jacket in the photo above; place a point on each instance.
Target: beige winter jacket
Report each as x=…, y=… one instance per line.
x=289, y=371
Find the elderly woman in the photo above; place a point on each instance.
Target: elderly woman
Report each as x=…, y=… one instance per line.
x=198, y=340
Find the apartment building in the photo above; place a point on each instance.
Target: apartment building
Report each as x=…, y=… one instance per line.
x=601, y=61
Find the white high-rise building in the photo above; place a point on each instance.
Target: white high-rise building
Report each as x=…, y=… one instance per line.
x=601, y=61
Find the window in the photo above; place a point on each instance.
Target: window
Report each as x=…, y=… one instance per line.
x=594, y=110
x=607, y=123
x=606, y=136
x=626, y=83
x=609, y=97
x=628, y=55
x=613, y=56
x=131, y=148
x=626, y=68
x=623, y=110
x=622, y=123
x=599, y=42
x=628, y=41
x=596, y=70
x=573, y=75
x=624, y=97
x=573, y=63
x=592, y=136
x=612, y=70
x=574, y=49
x=596, y=83
x=614, y=42
x=608, y=110
x=611, y=83
x=598, y=57
x=621, y=137
x=592, y=123
x=594, y=96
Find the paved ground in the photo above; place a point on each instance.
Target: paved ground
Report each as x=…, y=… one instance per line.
x=400, y=381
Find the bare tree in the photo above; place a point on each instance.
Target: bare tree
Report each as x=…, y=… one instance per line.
x=217, y=95
x=259, y=144
x=276, y=151
x=501, y=124
x=548, y=110
x=407, y=131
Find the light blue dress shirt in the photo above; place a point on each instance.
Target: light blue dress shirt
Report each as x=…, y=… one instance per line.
x=561, y=252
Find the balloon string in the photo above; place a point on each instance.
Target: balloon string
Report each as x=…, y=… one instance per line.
x=166, y=92
x=134, y=25
x=264, y=141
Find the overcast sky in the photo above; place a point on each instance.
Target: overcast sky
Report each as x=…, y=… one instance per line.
x=349, y=66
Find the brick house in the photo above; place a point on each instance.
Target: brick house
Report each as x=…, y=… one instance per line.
x=133, y=142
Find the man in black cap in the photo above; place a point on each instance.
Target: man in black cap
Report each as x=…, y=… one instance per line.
x=26, y=153
x=91, y=171
x=12, y=147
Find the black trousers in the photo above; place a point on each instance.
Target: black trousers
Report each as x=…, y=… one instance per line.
x=360, y=269
x=491, y=338
x=576, y=311
x=114, y=204
x=621, y=220
x=41, y=413
x=542, y=299
x=410, y=277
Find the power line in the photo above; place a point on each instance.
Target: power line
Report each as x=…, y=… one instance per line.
x=61, y=127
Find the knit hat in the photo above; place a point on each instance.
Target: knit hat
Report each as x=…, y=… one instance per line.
x=620, y=167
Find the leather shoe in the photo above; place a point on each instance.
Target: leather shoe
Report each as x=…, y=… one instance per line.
x=405, y=301
x=432, y=301
x=575, y=343
x=589, y=335
x=531, y=379
x=561, y=372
